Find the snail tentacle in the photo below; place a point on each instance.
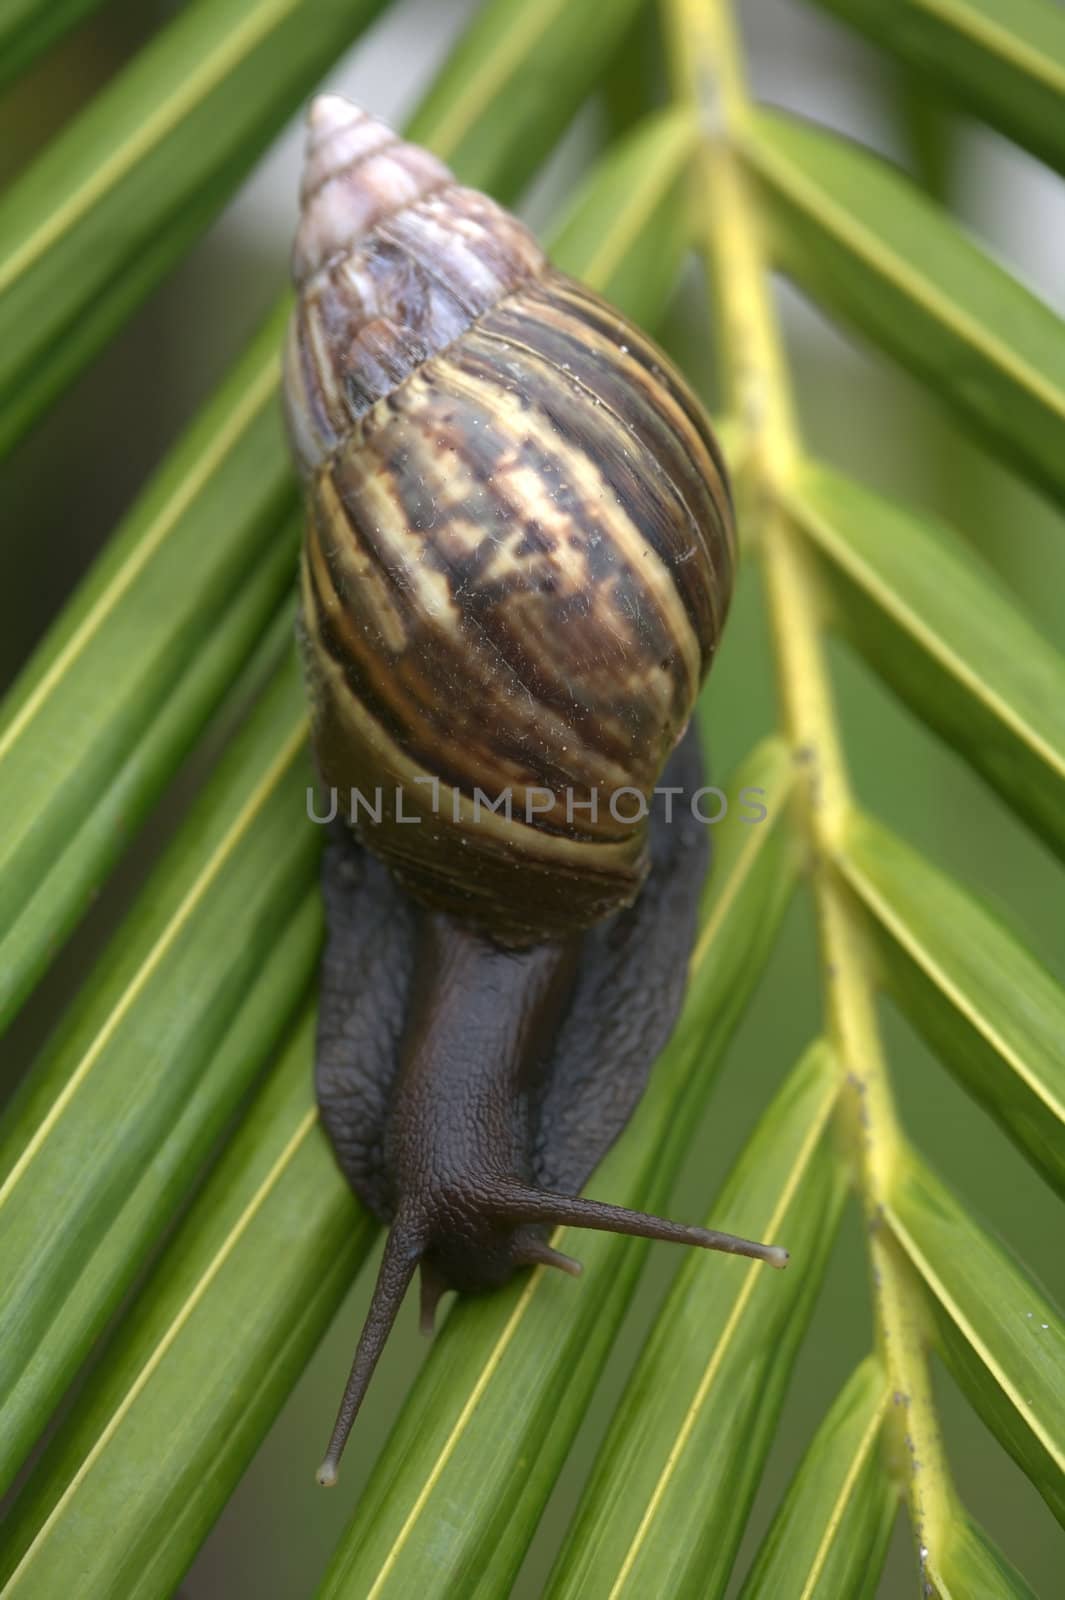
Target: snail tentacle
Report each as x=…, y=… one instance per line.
x=403, y=1249
x=523, y=1204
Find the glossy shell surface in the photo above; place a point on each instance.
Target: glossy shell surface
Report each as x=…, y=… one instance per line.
x=519, y=549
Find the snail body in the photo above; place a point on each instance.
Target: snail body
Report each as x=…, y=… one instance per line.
x=518, y=560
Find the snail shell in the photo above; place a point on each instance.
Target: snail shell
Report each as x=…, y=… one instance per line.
x=519, y=551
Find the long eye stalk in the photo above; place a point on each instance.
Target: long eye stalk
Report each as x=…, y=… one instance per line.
x=535, y=1205
x=403, y=1248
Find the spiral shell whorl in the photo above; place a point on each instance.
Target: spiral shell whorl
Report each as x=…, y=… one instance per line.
x=355, y=171
x=393, y=260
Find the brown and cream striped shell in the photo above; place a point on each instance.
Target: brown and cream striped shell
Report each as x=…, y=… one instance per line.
x=519, y=551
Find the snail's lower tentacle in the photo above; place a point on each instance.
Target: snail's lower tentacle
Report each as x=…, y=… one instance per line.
x=433, y=1286
x=539, y=1253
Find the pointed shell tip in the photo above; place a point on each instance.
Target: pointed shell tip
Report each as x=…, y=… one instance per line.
x=327, y=112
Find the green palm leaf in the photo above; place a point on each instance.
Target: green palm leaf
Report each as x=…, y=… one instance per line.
x=245, y=1245
x=29, y=26
x=999, y=1333
x=957, y=973
x=123, y=191
x=829, y=1537
x=862, y=239
x=947, y=637
x=174, y=1236
x=1003, y=58
x=667, y=1504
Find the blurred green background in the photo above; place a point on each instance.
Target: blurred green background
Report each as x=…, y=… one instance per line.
x=68, y=483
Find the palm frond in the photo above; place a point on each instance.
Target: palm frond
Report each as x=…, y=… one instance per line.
x=175, y=1237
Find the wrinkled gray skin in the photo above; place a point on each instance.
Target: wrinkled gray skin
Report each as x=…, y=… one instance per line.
x=469, y=1091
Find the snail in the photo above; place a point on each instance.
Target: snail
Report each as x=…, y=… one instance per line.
x=518, y=560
